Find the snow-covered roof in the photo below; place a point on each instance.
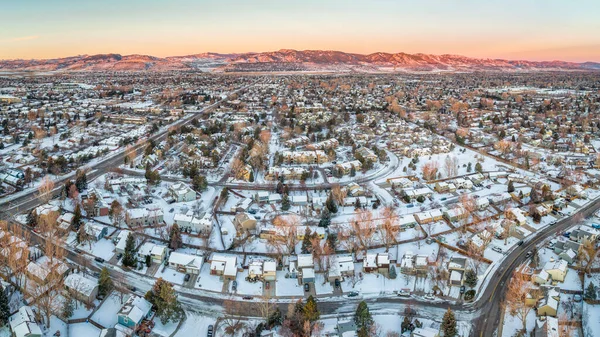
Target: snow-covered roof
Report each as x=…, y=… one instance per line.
x=81, y=284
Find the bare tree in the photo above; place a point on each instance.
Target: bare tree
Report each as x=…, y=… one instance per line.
x=389, y=228
x=430, y=170
x=338, y=193
x=451, y=166
x=232, y=319
x=45, y=190
x=515, y=298
x=363, y=229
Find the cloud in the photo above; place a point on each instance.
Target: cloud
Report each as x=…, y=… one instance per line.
x=21, y=38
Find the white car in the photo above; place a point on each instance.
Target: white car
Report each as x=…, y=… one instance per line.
x=497, y=249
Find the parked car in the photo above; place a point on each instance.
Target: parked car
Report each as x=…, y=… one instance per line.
x=247, y=297
x=429, y=296
x=210, y=331
x=497, y=249
x=187, y=277
x=520, y=242
x=234, y=285
x=337, y=283
x=404, y=292
x=595, y=225
x=352, y=294
x=132, y=288
x=99, y=259
x=577, y=298
x=463, y=289
x=529, y=253
x=267, y=285
x=306, y=287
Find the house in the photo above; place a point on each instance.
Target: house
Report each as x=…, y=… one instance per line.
x=341, y=266
x=548, y=304
x=424, y=332
x=557, y=269
x=569, y=255
x=412, y=264
x=244, y=221
x=583, y=233
x=518, y=215
x=376, y=262
x=95, y=230
x=546, y=328
x=261, y=196
x=367, y=154
x=347, y=167
x=134, y=311
x=40, y=270
x=186, y=263
x=121, y=241
x=81, y=287
x=299, y=200
x=140, y=217
x=318, y=231
x=304, y=157
x=482, y=203
x=456, y=268
x=305, y=265
x=181, y=192
x=23, y=324
x=188, y=222
x=262, y=270
x=423, y=217
x=407, y=221
x=455, y=214
x=224, y=265
x=157, y=253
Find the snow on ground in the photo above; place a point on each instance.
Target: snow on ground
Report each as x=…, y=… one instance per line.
x=322, y=287
x=208, y=282
x=513, y=324
x=81, y=311
x=83, y=329
x=287, y=286
x=247, y=288
x=103, y=248
x=170, y=275
x=194, y=325
x=56, y=324
x=106, y=315
x=590, y=319
x=165, y=330
x=5, y=332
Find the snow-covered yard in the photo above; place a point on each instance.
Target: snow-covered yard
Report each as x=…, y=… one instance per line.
x=106, y=315
x=170, y=275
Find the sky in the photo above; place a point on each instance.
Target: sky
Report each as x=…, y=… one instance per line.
x=508, y=29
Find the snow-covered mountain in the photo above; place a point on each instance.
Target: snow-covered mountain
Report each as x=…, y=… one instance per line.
x=289, y=60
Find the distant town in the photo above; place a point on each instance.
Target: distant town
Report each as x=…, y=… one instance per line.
x=414, y=204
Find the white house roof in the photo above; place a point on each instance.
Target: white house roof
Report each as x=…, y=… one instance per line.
x=81, y=284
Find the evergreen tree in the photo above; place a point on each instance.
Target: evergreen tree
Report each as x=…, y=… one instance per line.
x=251, y=178
x=469, y=168
x=175, y=240
x=470, y=278
x=105, y=283
x=325, y=218
x=285, y=202
x=32, y=218
x=68, y=308
x=363, y=332
x=81, y=180
x=406, y=324
x=331, y=205
x=310, y=310
x=393, y=273
x=478, y=167
x=275, y=319
x=362, y=317
x=306, y=243
x=76, y=222
x=129, y=259
x=199, y=183
x=590, y=292
x=511, y=187
x=163, y=297
x=352, y=171
x=4, y=308
x=449, y=324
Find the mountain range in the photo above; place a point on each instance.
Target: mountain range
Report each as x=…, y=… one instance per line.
x=287, y=60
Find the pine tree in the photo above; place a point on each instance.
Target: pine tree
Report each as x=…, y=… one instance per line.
x=470, y=278
x=4, y=308
x=511, y=187
x=163, y=297
x=362, y=317
x=325, y=218
x=306, y=243
x=81, y=180
x=406, y=323
x=357, y=204
x=590, y=292
x=129, y=259
x=175, y=240
x=199, y=183
x=68, y=308
x=393, y=273
x=105, y=283
x=251, y=178
x=310, y=310
x=478, y=167
x=331, y=205
x=534, y=196
x=285, y=202
x=449, y=324
x=469, y=168
x=32, y=218
x=76, y=222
